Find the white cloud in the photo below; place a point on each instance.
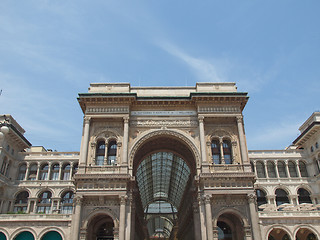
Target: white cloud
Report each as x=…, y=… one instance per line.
x=202, y=68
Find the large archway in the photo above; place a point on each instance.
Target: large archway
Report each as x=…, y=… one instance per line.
x=164, y=167
x=230, y=227
x=278, y=234
x=101, y=227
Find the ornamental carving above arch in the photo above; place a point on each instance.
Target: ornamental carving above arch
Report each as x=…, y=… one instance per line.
x=180, y=135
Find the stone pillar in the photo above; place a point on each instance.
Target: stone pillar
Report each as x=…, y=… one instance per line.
x=254, y=217
x=196, y=221
x=202, y=218
x=38, y=171
x=1, y=205
x=128, y=218
x=122, y=223
x=85, y=142
x=277, y=170
x=60, y=170
x=49, y=171
x=27, y=171
x=209, y=217
x=71, y=171
x=242, y=138
x=221, y=150
x=76, y=218
x=298, y=169
x=133, y=217
x=125, y=140
x=202, y=139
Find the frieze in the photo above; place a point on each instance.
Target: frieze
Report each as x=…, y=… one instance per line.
x=167, y=123
x=231, y=109
x=107, y=110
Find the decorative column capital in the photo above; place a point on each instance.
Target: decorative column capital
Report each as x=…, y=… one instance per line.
x=126, y=119
x=239, y=119
x=251, y=198
x=200, y=118
x=207, y=199
x=86, y=120
x=78, y=200
x=123, y=199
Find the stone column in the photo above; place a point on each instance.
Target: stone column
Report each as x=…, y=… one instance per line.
x=202, y=216
x=38, y=171
x=129, y=216
x=242, y=138
x=60, y=170
x=209, y=217
x=277, y=170
x=122, y=223
x=27, y=171
x=1, y=205
x=76, y=218
x=85, y=142
x=133, y=217
x=49, y=171
x=125, y=140
x=298, y=169
x=71, y=171
x=221, y=150
x=202, y=139
x=196, y=221
x=254, y=217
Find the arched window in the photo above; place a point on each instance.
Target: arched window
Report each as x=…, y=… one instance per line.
x=303, y=169
x=22, y=172
x=112, y=152
x=44, y=202
x=281, y=197
x=7, y=171
x=282, y=169
x=261, y=197
x=55, y=172
x=100, y=153
x=21, y=202
x=303, y=196
x=44, y=172
x=260, y=170
x=52, y=235
x=33, y=172
x=66, y=172
x=292, y=169
x=67, y=202
x=227, y=151
x=271, y=170
x=24, y=236
x=4, y=165
x=75, y=169
x=215, y=150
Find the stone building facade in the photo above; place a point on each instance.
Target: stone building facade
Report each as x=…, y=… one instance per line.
x=160, y=163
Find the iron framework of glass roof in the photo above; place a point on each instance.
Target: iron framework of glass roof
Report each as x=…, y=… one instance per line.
x=162, y=178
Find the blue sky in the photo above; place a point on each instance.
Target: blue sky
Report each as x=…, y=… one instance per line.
x=51, y=50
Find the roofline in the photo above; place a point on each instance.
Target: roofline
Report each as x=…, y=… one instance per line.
x=17, y=132
x=305, y=132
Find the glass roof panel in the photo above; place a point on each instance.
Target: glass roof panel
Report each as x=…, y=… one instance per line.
x=162, y=178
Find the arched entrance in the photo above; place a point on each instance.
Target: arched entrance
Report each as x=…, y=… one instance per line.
x=278, y=234
x=305, y=234
x=101, y=227
x=230, y=227
x=164, y=167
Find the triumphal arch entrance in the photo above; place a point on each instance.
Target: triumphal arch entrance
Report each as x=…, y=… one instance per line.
x=164, y=163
